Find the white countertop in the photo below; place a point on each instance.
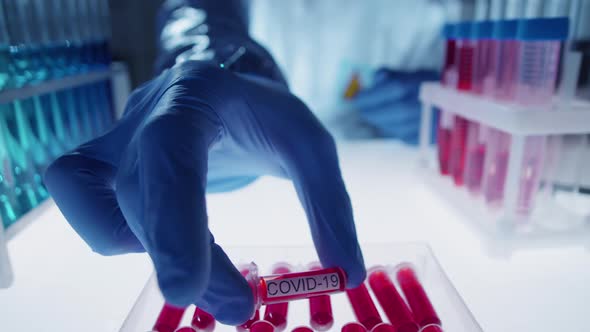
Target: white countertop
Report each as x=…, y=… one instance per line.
x=61, y=286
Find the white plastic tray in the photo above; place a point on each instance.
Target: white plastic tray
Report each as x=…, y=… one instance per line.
x=449, y=305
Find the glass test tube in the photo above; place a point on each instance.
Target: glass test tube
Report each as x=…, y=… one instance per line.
x=320, y=306
x=364, y=308
x=276, y=313
x=476, y=132
x=383, y=327
x=353, y=327
x=393, y=304
x=302, y=329
x=249, y=272
x=203, y=321
x=185, y=329
x=538, y=61
x=446, y=119
x=505, y=64
x=421, y=307
x=262, y=326
x=168, y=319
x=465, y=61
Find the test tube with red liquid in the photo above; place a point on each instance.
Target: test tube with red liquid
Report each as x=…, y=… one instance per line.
x=249, y=272
x=476, y=132
x=302, y=329
x=353, y=327
x=203, y=321
x=538, y=61
x=262, y=326
x=465, y=63
x=393, y=304
x=446, y=119
x=422, y=308
x=383, y=327
x=276, y=313
x=168, y=319
x=320, y=307
x=364, y=308
x=185, y=329
x=503, y=89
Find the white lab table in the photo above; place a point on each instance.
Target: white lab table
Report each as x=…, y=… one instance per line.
x=61, y=286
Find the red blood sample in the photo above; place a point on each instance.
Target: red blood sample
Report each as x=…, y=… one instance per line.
x=432, y=328
x=245, y=270
x=443, y=139
x=383, y=327
x=276, y=313
x=393, y=305
x=353, y=327
x=262, y=326
x=302, y=329
x=364, y=308
x=424, y=313
x=186, y=329
x=465, y=63
x=458, y=140
x=168, y=319
x=320, y=309
x=203, y=321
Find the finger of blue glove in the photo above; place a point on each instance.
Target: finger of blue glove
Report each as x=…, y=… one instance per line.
x=314, y=170
x=171, y=221
x=228, y=296
x=82, y=188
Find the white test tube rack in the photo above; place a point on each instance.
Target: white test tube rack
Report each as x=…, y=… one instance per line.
x=500, y=227
x=121, y=87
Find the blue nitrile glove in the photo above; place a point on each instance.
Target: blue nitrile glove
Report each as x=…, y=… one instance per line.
x=391, y=103
x=194, y=128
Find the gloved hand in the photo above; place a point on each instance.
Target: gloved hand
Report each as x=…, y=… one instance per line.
x=198, y=127
x=391, y=103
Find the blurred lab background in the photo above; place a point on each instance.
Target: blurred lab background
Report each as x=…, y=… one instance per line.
x=513, y=213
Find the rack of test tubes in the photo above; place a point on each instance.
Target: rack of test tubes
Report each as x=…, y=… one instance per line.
x=56, y=80
x=405, y=290
x=505, y=136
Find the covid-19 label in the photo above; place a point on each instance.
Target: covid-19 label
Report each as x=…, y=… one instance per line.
x=304, y=284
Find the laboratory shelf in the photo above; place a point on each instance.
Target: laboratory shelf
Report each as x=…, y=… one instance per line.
x=571, y=117
x=448, y=304
x=119, y=78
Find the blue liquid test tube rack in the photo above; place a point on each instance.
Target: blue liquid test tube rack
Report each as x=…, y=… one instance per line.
x=58, y=89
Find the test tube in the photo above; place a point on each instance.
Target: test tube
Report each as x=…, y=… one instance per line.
x=393, y=304
x=446, y=119
x=432, y=328
x=249, y=272
x=505, y=64
x=423, y=311
x=320, y=306
x=353, y=327
x=185, y=329
x=276, y=313
x=302, y=329
x=476, y=132
x=168, y=319
x=465, y=61
x=203, y=321
x=540, y=42
x=262, y=326
x=383, y=327
x=364, y=308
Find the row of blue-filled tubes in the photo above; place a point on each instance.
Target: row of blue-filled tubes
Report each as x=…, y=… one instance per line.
x=35, y=130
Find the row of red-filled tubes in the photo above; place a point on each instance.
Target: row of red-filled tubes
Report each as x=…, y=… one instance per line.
x=414, y=314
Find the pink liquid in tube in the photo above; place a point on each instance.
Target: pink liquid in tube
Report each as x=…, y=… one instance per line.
x=422, y=309
x=432, y=328
x=203, y=321
x=391, y=302
x=458, y=142
x=262, y=326
x=320, y=309
x=168, y=319
x=353, y=327
x=496, y=167
x=475, y=154
x=186, y=329
x=302, y=329
x=364, y=308
x=276, y=313
x=383, y=327
x=445, y=121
